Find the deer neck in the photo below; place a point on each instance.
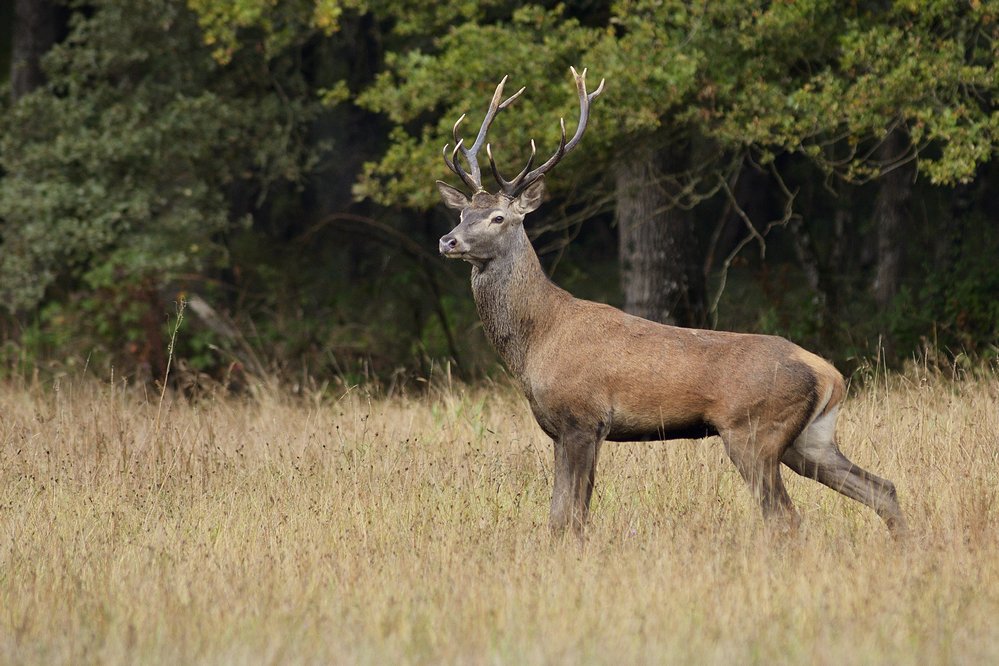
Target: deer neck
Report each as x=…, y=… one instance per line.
x=515, y=299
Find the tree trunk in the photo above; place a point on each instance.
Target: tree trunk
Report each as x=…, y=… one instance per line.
x=891, y=215
x=660, y=273
x=36, y=24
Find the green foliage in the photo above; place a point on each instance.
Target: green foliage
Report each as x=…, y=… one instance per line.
x=534, y=46
x=955, y=306
x=929, y=68
x=176, y=147
x=274, y=26
x=119, y=172
x=810, y=77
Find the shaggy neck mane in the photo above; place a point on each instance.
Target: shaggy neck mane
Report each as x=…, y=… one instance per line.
x=515, y=299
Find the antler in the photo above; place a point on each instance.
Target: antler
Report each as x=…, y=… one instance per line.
x=473, y=177
x=514, y=187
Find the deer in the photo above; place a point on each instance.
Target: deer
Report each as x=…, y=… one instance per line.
x=592, y=373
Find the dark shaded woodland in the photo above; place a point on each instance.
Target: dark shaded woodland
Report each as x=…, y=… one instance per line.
x=818, y=170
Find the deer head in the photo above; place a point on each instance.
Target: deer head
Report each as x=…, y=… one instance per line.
x=489, y=222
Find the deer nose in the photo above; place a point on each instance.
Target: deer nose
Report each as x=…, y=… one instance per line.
x=448, y=243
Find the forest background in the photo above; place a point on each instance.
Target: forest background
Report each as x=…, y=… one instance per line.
x=815, y=169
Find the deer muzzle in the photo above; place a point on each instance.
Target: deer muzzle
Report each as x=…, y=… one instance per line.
x=449, y=245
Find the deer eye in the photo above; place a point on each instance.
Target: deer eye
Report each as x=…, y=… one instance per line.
x=497, y=219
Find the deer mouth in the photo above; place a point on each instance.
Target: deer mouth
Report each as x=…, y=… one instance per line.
x=453, y=253
x=462, y=254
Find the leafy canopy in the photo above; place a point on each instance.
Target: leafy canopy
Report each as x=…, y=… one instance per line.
x=810, y=77
x=120, y=169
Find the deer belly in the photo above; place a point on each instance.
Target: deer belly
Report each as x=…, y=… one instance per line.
x=649, y=430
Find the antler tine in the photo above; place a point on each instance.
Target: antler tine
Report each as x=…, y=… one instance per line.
x=584, y=105
x=455, y=165
x=454, y=129
x=563, y=146
x=473, y=180
x=473, y=177
x=449, y=162
x=551, y=162
x=474, y=174
x=509, y=100
x=494, y=107
x=510, y=187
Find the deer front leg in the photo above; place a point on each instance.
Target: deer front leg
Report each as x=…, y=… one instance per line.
x=575, y=475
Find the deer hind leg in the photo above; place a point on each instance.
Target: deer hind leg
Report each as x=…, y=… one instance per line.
x=575, y=476
x=757, y=457
x=593, y=476
x=815, y=455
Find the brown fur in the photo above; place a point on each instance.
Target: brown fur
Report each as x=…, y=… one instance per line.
x=592, y=372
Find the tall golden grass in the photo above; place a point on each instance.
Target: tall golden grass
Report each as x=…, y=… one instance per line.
x=414, y=529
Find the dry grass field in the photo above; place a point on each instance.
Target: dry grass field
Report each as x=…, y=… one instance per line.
x=414, y=530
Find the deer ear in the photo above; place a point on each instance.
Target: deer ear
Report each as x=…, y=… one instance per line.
x=452, y=197
x=531, y=197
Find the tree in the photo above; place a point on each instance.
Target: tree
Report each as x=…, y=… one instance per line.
x=889, y=91
x=647, y=89
x=275, y=26
x=36, y=27
x=123, y=171
x=168, y=147
x=930, y=69
x=891, y=217
x=660, y=277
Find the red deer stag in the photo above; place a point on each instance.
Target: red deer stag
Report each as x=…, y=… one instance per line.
x=593, y=373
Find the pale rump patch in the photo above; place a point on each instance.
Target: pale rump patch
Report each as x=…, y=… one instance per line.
x=829, y=381
x=817, y=442
x=822, y=404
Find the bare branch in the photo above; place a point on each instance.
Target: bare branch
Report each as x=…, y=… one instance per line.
x=788, y=216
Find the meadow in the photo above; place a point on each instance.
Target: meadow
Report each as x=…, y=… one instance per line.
x=363, y=528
